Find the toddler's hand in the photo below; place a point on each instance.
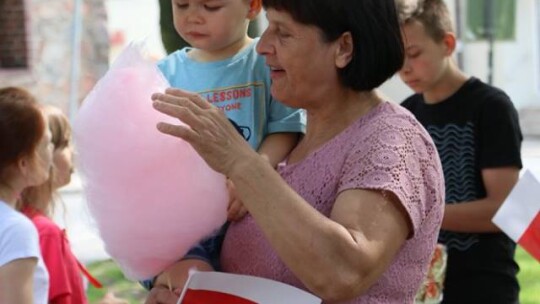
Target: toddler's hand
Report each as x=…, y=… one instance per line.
x=162, y=295
x=236, y=210
x=110, y=298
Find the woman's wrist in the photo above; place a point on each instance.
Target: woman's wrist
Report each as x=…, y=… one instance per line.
x=247, y=164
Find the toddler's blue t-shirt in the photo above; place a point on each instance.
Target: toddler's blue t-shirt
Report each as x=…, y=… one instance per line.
x=240, y=85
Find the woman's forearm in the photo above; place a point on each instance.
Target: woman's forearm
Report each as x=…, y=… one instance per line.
x=303, y=238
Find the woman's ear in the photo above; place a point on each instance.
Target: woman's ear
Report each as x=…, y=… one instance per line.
x=450, y=43
x=255, y=7
x=22, y=165
x=344, y=50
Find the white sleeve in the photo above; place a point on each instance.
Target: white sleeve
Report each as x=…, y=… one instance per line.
x=18, y=240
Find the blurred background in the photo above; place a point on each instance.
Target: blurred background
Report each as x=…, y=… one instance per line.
x=59, y=49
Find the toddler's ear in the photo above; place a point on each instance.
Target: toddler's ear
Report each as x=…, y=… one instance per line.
x=255, y=7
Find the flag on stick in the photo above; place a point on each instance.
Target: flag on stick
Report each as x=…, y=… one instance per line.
x=218, y=288
x=519, y=215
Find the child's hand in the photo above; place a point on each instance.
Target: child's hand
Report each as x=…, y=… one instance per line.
x=110, y=298
x=236, y=210
x=162, y=295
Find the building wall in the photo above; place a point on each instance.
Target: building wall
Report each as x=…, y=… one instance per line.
x=49, y=39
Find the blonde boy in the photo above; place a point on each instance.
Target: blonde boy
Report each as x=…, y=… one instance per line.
x=475, y=128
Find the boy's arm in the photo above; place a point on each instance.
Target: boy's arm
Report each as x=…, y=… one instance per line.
x=475, y=216
x=276, y=146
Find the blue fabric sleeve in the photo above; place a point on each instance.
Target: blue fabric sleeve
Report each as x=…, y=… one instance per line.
x=285, y=119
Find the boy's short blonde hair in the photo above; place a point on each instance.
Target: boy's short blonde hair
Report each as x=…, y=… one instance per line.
x=433, y=14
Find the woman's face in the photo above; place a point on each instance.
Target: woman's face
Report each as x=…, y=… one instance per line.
x=303, y=66
x=63, y=166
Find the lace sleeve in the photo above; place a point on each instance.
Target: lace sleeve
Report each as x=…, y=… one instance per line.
x=396, y=156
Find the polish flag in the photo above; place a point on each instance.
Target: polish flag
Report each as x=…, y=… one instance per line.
x=519, y=216
x=219, y=288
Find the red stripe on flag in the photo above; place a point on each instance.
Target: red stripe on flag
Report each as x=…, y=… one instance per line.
x=197, y=296
x=530, y=240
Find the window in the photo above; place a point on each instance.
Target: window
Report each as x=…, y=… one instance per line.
x=503, y=19
x=13, y=43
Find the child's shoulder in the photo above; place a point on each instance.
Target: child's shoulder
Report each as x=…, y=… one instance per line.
x=487, y=99
x=481, y=89
x=249, y=52
x=172, y=62
x=178, y=55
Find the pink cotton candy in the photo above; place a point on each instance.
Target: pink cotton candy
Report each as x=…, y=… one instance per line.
x=151, y=195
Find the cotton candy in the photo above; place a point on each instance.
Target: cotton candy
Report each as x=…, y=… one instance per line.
x=151, y=195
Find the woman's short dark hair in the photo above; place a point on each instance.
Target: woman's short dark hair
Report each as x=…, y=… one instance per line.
x=21, y=126
x=374, y=26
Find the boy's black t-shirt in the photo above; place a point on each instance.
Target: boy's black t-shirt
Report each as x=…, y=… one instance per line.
x=476, y=128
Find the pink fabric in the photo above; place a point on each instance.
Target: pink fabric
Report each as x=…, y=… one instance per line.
x=386, y=149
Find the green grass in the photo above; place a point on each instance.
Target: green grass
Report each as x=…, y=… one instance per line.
x=529, y=277
x=108, y=273
x=112, y=278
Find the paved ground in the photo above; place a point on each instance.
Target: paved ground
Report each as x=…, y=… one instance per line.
x=88, y=246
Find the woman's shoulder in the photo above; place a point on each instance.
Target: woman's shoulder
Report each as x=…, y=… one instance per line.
x=390, y=119
x=397, y=115
x=13, y=222
x=18, y=237
x=391, y=130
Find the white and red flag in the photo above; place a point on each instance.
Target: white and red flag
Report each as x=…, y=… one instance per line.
x=218, y=288
x=519, y=216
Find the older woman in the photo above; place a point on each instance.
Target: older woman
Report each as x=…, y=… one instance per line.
x=353, y=213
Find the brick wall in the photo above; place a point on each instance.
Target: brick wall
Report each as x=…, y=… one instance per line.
x=47, y=28
x=13, y=44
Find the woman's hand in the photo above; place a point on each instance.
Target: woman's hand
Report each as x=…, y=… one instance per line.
x=208, y=130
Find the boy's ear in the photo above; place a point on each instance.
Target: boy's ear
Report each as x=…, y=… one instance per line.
x=450, y=42
x=344, y=50
x=255, y=7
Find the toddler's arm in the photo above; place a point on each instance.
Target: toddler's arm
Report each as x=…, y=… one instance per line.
x=275, y=147
x=169, y=284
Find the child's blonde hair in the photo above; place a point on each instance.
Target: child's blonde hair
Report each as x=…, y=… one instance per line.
x=41, y=197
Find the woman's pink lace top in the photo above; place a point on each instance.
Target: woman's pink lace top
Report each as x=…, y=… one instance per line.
x=386, y=149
